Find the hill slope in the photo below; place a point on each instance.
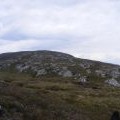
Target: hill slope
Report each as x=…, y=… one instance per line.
x=47, y=85
x=49, y=63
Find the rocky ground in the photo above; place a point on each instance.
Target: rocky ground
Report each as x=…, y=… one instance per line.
x=46, y=85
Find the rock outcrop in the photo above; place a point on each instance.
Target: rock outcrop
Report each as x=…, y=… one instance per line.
x=113, y=82
x=42, y=63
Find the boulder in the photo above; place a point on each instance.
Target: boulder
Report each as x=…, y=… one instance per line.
x=22, y=68
x=41, y=72
x=115, y=74
x=83, y=79
x=65, y=72
x=113, y=82
x=101, y=73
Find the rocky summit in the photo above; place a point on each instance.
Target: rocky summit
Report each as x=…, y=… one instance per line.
x=50, y=63
x=49, y=85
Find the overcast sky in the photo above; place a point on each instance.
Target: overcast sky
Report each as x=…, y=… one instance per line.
x=84, y=28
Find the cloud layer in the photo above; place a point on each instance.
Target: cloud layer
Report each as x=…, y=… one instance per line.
x=84, y=28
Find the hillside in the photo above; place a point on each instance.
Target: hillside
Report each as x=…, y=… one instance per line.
x=48, y=85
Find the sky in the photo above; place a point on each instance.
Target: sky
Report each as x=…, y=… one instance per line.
x=88, y=29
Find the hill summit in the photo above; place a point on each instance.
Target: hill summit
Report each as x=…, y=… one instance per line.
x=50, y=63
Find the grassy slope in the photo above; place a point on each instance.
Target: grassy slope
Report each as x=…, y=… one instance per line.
x=27, y=98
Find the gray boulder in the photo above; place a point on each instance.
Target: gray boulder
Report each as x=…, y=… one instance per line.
x=115, y=74
x=83, y=79
x=65, y=72
x=41, y=72
x=113, y=82
x=101, y=73
x=22, y=68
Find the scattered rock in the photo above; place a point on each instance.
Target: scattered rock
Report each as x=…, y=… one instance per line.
x=83, y=79
x=115, y=73
x=100, y=73
x=113, y=82
x=65, y=72
x=3, y=84
x=49, y=62
x=88, y=71
x=22, y=68
x=41, y=72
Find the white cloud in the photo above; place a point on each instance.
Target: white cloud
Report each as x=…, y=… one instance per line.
x=88, y=29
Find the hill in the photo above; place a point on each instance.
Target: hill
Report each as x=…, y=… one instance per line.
x=49, y=85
